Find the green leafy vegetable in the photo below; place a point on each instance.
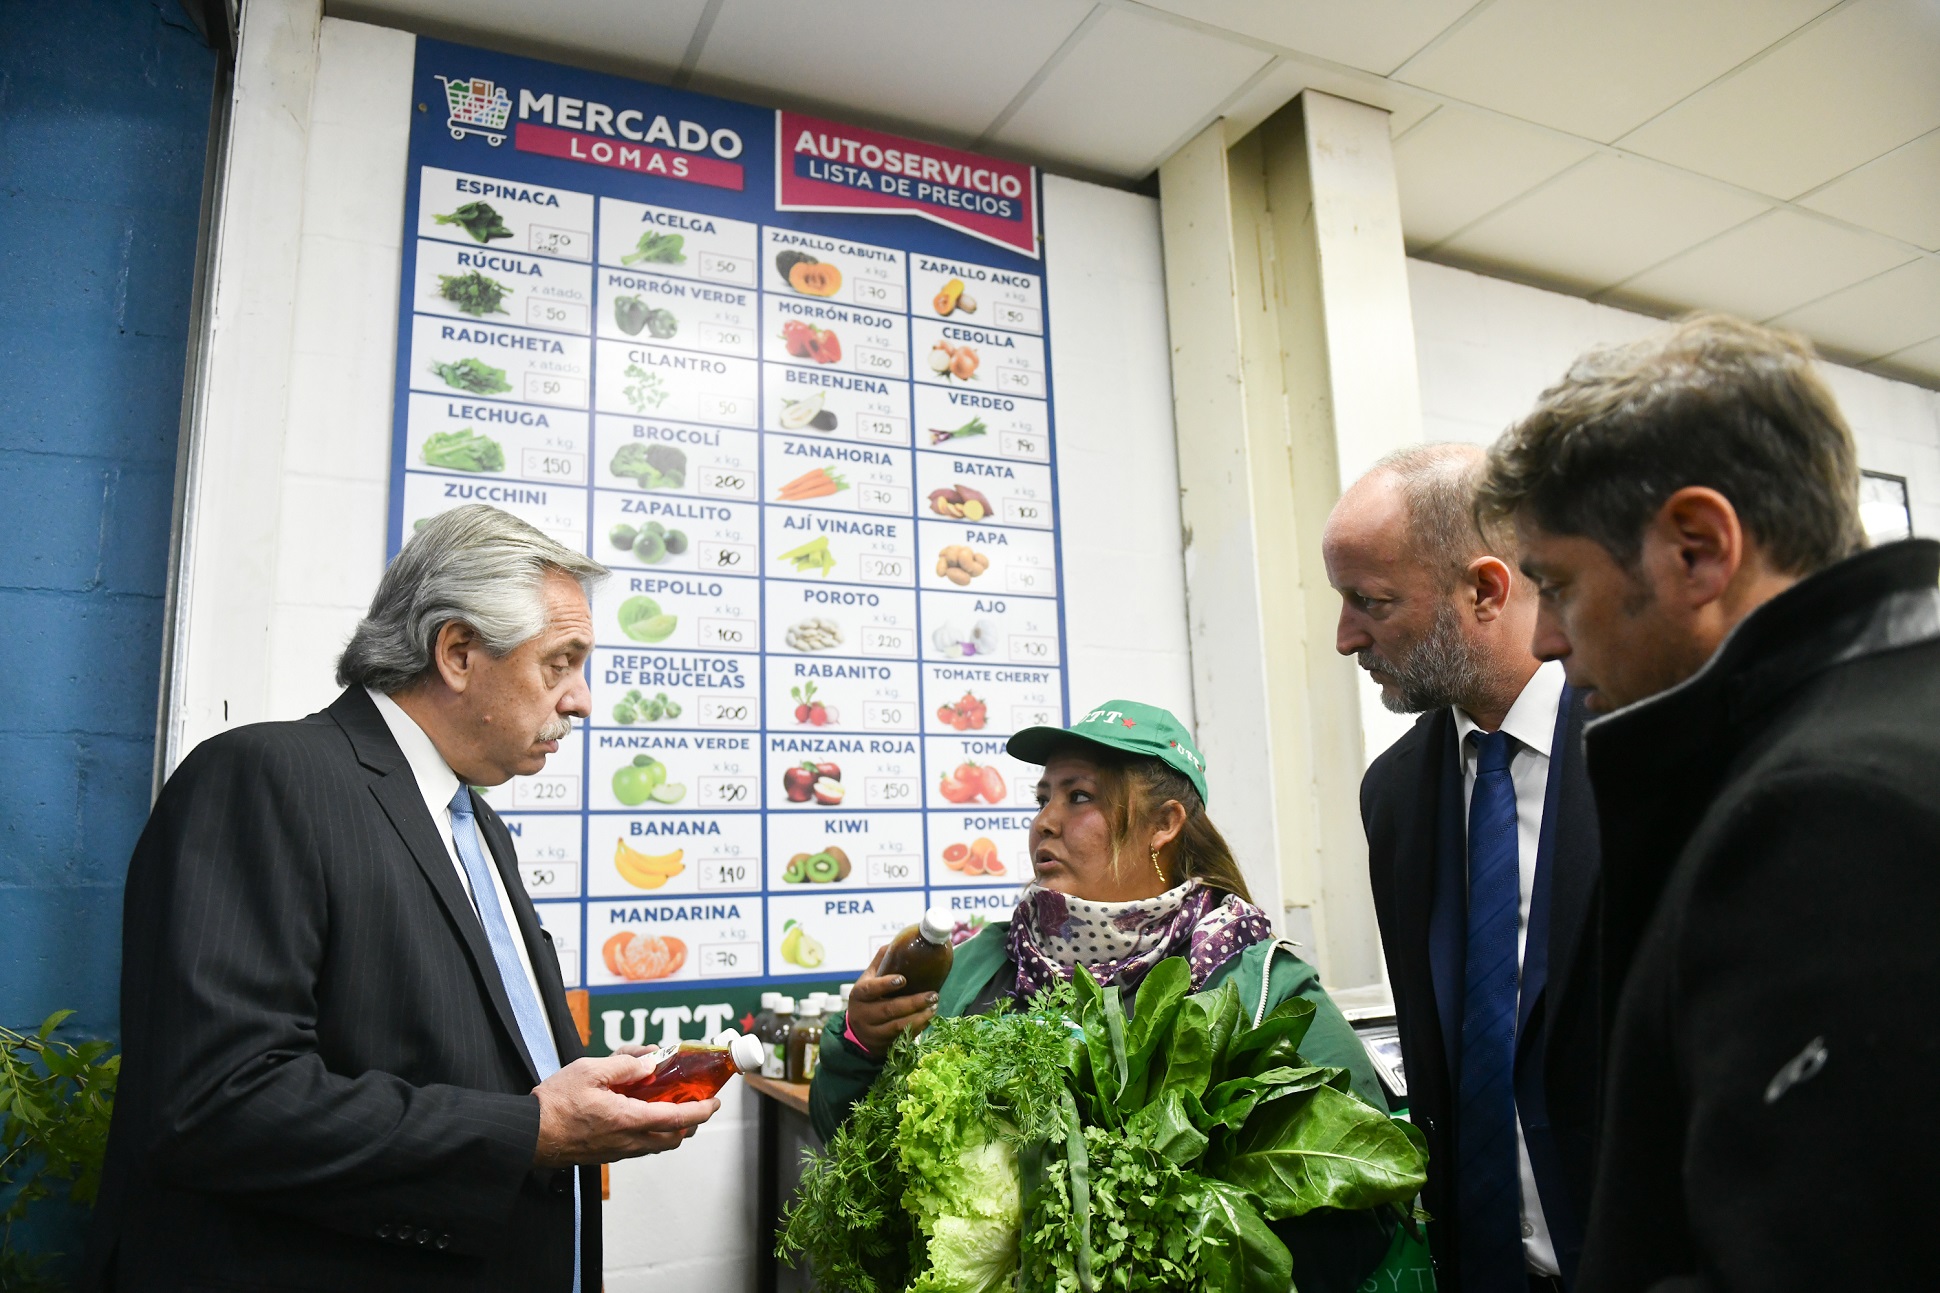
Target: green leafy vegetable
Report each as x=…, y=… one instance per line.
x=464, y=450
x=655, y=248
x=645, y=390
x=474, y=293
x=473, y=375
x=633, y=315
x=479, y=220
x=652, y=466
x=1076, y=1147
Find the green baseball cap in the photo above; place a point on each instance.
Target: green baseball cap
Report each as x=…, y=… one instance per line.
x=1122, y=725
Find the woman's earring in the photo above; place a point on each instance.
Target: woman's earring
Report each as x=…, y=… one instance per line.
x=1159, y=869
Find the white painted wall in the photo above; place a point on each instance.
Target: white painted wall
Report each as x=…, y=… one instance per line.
x=1487, y=348
x=308, y=486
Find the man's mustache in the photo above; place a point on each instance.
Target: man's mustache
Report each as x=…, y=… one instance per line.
x=557, y=728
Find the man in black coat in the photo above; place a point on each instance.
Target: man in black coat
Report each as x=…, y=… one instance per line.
x=343, y=1026
x=1482, y=870
x=1769, y=790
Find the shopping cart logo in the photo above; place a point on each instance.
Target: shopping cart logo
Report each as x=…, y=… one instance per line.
x=478, y=107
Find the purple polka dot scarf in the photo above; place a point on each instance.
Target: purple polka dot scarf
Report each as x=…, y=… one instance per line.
x=1120, y=942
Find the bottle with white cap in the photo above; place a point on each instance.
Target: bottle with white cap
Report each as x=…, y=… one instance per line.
x=775, y=1065
x=696, y=1070
x=922, y=953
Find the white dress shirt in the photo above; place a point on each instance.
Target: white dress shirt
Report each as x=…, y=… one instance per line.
x=1531, y=721
x=438, y=783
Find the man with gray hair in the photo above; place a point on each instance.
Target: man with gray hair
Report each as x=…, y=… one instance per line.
x=348, y=1059
x=1482, y=853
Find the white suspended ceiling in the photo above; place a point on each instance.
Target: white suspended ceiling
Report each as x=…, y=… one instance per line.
x=1776, y=158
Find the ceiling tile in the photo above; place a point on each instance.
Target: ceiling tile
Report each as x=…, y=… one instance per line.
x=1899, y=194
x=1374, y=35
x=1878, y=317
x=1458, y=166
x=1126, y=92
x=621, y=36
x=1598, y=224
x=1919, y=363
x=1597, y=68
x=1286, y=79
x=1865, y=80
x=1763, y=267
x=911, y=61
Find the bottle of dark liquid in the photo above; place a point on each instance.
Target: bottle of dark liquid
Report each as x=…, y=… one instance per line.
x=922, y=953
x=698, y=1069
x=805, y=1040
x=776, y=1039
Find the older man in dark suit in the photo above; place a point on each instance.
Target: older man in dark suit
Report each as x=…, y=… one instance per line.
x=348, y=1059
x=1483, y=859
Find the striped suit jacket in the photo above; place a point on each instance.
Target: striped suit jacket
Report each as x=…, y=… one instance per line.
x=323, y=1086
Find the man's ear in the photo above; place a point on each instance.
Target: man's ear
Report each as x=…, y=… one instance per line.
x=1700, y=540
x=1488, y=581
x=455, y=653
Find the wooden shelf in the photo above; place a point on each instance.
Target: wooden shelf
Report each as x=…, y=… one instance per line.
x=794, y=1095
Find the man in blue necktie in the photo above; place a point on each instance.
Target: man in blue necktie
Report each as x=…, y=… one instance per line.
x=348, y=1058
x=1482, y=855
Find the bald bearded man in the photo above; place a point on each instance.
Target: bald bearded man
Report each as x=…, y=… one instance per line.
x=1482, y=851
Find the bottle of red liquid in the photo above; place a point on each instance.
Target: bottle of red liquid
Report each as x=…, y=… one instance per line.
x=698, y=1069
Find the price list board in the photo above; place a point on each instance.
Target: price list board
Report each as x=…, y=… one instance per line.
x=789, y=380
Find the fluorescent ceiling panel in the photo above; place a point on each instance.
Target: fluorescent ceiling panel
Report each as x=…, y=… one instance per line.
x=1777, y=262
x=1599, y=223
x=1865, y=80
x=1373, y=35
x=1596, y=68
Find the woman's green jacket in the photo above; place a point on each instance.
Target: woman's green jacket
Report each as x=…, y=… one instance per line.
x=1265, y=974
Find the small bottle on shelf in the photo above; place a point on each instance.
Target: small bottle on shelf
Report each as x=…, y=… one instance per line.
x=805, y=1040
x=775, y=1039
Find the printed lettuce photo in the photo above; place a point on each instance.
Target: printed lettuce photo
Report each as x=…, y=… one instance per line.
x=464, y=450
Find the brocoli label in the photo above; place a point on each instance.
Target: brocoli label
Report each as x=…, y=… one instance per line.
x=813, y=442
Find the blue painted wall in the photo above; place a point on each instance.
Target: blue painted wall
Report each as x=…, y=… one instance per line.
x=104, y=123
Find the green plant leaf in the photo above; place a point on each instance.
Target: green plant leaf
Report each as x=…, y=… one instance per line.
x=1326, y=1150
x=1169, y=1128
x=1286, y=1022
x=1239, y=1253
x=53, y=1021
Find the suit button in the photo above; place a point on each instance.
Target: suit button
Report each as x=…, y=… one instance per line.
x=444, y=1242
x=562, y=1181
x=424, y=1238
x=383, y=1232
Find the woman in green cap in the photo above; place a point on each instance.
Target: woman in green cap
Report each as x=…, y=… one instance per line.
x=1128, y=870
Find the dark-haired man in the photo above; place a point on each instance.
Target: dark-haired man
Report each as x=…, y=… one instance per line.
x=1769, y=791
x=1482, y=857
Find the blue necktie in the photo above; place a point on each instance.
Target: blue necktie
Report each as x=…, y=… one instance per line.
x=1488, y=1182
x=511, y=972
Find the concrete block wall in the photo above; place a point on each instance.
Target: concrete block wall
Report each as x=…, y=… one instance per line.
x=104, y=115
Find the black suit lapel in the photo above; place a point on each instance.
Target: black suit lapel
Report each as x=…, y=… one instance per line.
x=396, y=791
x=1574, y=866
x=1418, y=775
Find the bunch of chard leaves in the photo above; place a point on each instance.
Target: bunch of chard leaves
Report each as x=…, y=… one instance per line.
x=474, y=375
x=478, y=219
x=655, y=248
x=475, y=293
x=1256, y=1135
